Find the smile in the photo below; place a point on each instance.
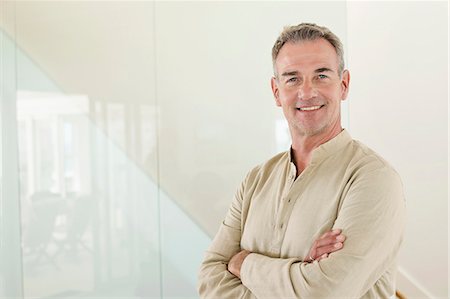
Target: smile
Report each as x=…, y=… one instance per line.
x=311, y=108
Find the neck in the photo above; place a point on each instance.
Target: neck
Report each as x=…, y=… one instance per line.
x=303, y=146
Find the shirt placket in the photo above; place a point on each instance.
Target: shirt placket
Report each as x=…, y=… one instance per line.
x=284, y=211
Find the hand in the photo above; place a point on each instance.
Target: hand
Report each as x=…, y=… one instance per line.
x=235, y=264
x=327, y=243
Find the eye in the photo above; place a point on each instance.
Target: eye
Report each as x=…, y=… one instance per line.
x=322, y=76
x=291, y=80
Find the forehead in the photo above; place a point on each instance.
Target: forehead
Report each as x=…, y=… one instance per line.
x=306, y=55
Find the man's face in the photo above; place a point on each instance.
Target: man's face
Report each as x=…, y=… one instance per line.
x=309, y=88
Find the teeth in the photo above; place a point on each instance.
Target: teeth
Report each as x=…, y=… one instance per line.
x=310, y=108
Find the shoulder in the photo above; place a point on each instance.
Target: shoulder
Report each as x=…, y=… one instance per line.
x=366, y=165
x=367, y=160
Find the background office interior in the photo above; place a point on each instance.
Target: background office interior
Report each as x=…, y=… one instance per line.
x=127, y=127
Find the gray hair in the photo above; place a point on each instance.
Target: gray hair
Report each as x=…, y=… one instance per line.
x=308, y=32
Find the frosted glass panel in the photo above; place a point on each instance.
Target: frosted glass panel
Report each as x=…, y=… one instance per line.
x=135, y=123
x=89, y=213
x=88, y=186
x=10, y=237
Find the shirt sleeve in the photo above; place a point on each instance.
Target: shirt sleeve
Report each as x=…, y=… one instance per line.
x=215, y=281
x=371, y=216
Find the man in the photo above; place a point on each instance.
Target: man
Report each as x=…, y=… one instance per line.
x=325, y=184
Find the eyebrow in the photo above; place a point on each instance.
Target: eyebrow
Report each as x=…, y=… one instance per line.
x=287, y=74
x=323, y=70
x=319, y=70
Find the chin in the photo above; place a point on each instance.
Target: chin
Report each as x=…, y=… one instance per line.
x=311, y=131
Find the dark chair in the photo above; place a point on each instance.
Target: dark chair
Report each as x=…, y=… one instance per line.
x=38, y=233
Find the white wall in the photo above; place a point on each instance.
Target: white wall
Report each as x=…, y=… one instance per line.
x=398, y=59
x=218, y=116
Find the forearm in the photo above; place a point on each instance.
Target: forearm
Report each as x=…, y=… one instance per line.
x=215, y=281
x=270, y=277
x=337, y=277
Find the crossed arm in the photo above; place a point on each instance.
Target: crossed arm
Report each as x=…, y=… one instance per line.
x=327, y=243
x=372, y=219
x=220, y=278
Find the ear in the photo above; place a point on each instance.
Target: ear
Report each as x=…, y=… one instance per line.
x=345, y=84
x=275, y=91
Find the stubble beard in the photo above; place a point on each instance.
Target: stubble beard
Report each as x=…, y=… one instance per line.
x=301, y=130
x=296, y=127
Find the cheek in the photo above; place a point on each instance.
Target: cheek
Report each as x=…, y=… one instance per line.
x=335, y=107
x=332, y=95
x=288, y=96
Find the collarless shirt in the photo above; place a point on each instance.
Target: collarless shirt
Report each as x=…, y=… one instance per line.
x=277, y=216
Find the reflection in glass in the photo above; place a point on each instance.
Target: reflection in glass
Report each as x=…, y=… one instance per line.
x=90, y=223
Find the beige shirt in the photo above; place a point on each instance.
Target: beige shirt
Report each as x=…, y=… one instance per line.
x=278, y=216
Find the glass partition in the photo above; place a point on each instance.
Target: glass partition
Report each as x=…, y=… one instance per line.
x=85, y=98
x=134, y=124
x=11, y=283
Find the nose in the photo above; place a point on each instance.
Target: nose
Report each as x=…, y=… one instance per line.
x=306, y=91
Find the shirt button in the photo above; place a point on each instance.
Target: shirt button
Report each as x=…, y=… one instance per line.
x=282, y=224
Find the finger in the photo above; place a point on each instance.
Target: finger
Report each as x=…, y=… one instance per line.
x=312, y=251
x=329, y=248
x=333, y=232
x=330, y=240
x=326, y=239
x=323, y=256
x=341, y=238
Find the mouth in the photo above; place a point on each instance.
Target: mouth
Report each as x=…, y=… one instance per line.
x=310, y=108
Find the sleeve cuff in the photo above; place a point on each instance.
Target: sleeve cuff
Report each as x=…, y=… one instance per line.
x=247, y=267
x=268, y=277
